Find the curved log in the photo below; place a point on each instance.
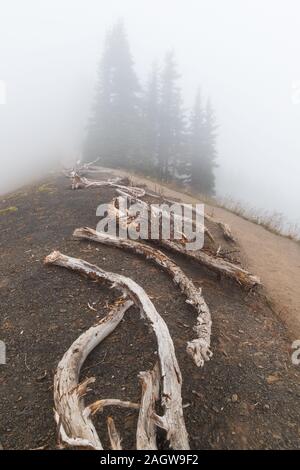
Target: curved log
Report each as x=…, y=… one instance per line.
x=75, y=427
x=171, y=400
x=199, y=348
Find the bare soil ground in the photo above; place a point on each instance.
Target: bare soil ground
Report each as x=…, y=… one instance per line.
x=246, y=397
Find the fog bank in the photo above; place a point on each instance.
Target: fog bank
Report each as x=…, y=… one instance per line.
x=244, y=55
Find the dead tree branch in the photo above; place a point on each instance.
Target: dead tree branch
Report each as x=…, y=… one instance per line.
x=146, y=427
x=82, y=182
x=199, y=348
x=75, y=427
x=171, y=400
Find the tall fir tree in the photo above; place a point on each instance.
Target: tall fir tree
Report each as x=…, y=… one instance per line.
x=210, y=151
x=112, y=132
x=171, y=120
x=202, y=149
x=151, y=123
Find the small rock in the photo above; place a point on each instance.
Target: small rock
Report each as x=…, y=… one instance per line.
x=234, y=398
x=63, y=310
x=271, y=379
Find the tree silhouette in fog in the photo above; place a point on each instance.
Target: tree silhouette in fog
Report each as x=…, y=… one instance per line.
x=202, y=146
x=146, y=130
x=114, y=122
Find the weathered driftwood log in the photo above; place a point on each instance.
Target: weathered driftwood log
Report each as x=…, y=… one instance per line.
x=199, y=348
x=114, y=437
x=172, y=420
x=226, y=231
x=218, y=265
x=214, y=263
x=227, y=234
x=82, y=182
x=156, y=212
x=75, y=427
x=146, y=427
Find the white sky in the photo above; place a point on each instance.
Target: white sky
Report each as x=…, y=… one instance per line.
x=244, y=54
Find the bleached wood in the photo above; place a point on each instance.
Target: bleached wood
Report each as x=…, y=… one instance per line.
x=114, y=437
x=75, y=426
x=227, y=234
x=214, y=263
x=146, y=427
x=171, y=400
x=155, y=211
x=100, y=404
x=82, y=182
x=218, y=265
x=199, y=348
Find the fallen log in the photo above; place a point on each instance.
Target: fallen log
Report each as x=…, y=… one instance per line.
x=199, y=348
x=172, y=420
x=146, y=427
x=218, y=265
x=82, y=182
x=214, y=263
x=75, y=427
x=226, y=231
x=156, y=212
x=227, y=234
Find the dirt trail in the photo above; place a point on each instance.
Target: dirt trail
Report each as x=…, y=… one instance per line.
x=275, y=259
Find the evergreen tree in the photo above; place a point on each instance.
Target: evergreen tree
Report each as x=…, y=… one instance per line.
x=171, y=122
x=210, y=152
x=151, y=123
x=113, y=127
x=202, y=147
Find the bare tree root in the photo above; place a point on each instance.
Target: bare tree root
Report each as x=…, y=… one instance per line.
x=172, y=420
x=199, y=348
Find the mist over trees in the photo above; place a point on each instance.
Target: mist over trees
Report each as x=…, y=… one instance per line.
x=146, y=128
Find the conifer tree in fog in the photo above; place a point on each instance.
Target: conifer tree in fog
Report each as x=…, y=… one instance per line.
x=151, y=123
x=147, y=130
x=202, y=147
x=171, y=120
x=113, y=128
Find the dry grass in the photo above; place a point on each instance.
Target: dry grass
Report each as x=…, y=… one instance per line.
x=275, y=222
